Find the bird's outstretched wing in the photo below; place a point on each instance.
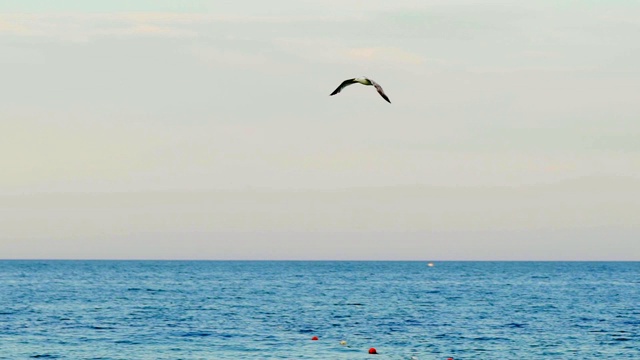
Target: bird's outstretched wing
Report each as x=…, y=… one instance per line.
x=380, y=91
x=343, y=85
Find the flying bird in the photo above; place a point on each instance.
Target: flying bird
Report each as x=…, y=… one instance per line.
x=364, y=81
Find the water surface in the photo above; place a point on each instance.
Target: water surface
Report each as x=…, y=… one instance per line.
x=270, y=310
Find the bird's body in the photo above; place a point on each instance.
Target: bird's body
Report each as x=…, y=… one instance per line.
x=364, y=81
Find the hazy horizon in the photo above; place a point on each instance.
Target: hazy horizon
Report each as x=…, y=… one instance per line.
x=145, y=129
x=584, y=219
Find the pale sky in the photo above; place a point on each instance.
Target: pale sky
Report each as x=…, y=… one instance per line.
x=205, y=129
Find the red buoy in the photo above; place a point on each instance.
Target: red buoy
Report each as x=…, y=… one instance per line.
x=314, y=338
x=450, y=358
x=372, y=351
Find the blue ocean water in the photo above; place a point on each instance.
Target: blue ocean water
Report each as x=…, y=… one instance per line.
x=271, y=310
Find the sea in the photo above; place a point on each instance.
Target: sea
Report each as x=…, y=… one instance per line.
x=273, y=310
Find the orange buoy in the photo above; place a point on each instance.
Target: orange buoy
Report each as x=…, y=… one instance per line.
x=449, y=358
x=372, y=351
x=314, y=338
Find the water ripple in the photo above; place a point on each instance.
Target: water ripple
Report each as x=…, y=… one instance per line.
x=270, y=310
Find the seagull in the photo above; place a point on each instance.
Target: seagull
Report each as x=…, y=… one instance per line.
x=364, y=81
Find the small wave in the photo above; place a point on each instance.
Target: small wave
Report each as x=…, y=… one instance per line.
x=489, y=338
x=342, y=316
x=155, y=290
x=127, y=342
x=196, y=334
x=349, y=304
x=97, y=327
x=44, y=356
x=515, y=325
